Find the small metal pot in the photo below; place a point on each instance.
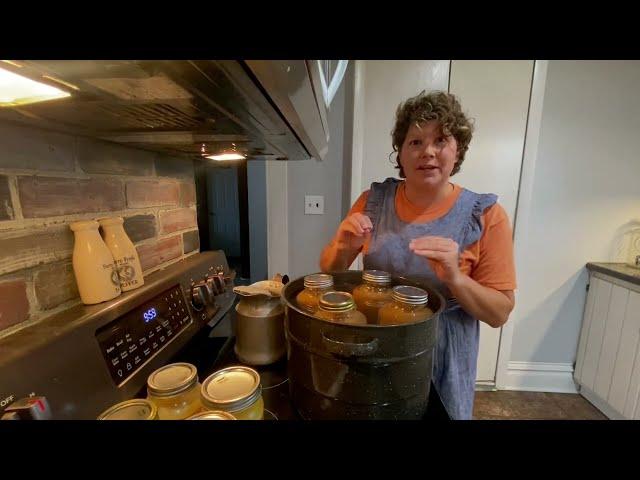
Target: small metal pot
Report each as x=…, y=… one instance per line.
x=260, y=336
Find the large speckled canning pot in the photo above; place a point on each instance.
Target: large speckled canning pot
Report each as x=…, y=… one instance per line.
x=339, y=371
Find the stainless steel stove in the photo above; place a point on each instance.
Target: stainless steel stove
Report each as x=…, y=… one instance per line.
x=77, y=363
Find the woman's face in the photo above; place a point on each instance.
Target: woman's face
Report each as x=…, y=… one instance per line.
x=427, y=156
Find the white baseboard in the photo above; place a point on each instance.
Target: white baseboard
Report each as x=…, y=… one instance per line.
x=600, y=404
x=485, y=386
x=540, y=377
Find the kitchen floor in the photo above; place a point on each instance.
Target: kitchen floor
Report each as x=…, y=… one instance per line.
x=511, y=405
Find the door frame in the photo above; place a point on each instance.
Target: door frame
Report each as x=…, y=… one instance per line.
x=357, y=143
x=523, y=209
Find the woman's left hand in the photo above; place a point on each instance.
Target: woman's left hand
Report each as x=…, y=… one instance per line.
x=443, y=255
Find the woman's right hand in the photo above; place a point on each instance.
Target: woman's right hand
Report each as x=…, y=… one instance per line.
x=354, y=231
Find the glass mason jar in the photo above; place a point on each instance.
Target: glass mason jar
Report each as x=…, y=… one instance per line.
x=339, y=307
x=212, y=415
x=373, y=293
x=314, y=287
x=135, y=409
x=235, y=390
x=175, y=390
x=407, y=305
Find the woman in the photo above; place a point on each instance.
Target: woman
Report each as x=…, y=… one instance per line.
x=428, y=226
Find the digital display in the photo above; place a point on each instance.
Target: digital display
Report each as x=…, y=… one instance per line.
x=149, y=315
x=128, y=343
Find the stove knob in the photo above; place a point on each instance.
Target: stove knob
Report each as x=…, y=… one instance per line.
x=198, y=296
x=217, y=278
x=31, y=408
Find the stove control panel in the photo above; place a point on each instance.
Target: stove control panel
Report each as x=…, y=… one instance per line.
x=134, y=338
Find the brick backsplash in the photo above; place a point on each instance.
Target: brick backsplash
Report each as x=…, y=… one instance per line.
x=14, y=305
x=155, y=254
x=6, y=204
x=152, y=193
x=140, y=227
x=179, y=219
x=48, y=180
x=54, y=196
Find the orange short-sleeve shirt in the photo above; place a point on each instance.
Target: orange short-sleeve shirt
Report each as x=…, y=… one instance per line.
x=489, y=261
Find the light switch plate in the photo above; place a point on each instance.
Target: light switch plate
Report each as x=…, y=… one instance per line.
x=313, y=205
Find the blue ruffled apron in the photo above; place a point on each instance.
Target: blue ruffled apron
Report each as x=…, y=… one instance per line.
x=456, y=356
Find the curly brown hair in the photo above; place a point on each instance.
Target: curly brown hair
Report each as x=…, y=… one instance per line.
x=436, y=105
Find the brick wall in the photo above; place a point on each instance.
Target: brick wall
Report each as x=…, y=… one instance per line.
x=48, y=180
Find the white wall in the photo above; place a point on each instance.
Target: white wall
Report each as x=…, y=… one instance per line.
x=585, y=191
x=308, y=234
x=277, y=218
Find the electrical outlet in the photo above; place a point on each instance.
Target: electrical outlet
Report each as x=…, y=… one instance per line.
x=313, y=205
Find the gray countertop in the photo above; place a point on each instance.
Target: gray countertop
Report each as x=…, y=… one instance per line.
x=623, y=271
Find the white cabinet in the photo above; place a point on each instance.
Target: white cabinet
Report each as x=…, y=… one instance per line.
x=608, y=362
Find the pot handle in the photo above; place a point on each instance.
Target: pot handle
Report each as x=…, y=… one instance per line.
x=349, y=349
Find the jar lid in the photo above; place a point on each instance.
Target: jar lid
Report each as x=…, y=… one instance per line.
x=410, y=295
x=212, y=415
x=172, y=379
x=84, y=225
x=231, y=389
x=336, y=302
x=377, y=277
x=318, y=280
x=136, y=409
x=110, y=221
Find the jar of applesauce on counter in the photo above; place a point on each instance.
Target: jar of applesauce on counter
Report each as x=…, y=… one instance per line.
x=407, y=305
x=373, y=293
x=339, y=307
x=175, y=390
x=212, y=415
x=135, y=409
x=235, y=390
x=314, y=287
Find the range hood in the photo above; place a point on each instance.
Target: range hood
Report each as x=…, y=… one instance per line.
x=193, y=108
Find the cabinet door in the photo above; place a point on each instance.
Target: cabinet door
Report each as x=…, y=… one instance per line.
x=586, y=325
x=628, y=350
x=631, y=407
x=611, y=341
x=596, y=331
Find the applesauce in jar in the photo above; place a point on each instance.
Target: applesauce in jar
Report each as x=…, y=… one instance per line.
x=236, y=390
x=339, y=307
x=407, y=305
x=135, y=409
x=175, y=390
x=212, y=415
x=314, y=287
x=373, y=293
